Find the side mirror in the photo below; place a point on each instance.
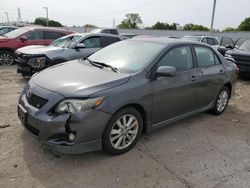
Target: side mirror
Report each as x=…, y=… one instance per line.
x=229, y=46
x=23, y=38
x=165, y=71
x=80, y=45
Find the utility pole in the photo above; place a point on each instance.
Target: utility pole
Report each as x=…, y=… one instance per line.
x=19, y=19
x=47, y=15
x=7, y=15
x=113, y=22
x=212, y=21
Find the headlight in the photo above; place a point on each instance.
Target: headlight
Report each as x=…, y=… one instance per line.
x=37, y=62
x=75, y=105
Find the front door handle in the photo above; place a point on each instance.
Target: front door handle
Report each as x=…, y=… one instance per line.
x=194, y=77
x=221, y=71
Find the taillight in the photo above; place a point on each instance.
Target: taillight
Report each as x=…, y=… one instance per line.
x=237, y=71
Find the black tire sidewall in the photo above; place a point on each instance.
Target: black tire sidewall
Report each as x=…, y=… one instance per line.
x=107, y=146
x=215, y=110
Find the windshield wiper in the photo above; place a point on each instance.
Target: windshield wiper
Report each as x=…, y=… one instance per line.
x=101, y=65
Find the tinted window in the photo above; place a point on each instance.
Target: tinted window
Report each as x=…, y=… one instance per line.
x=226, y=41
x=35, y=35
x=109, y=40
x=113, y=31
x=180, y=58
x=52, y=35
x=204, y=40
x=92, y=42
x=217, y=61
x=212, y=41
x=106, y=31
x=205, y=56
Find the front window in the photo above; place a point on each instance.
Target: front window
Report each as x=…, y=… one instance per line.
x=245, y=46
x=92, y=42
x=180, y=58
x=129, y=55
x=65, y=41
x=16, y=33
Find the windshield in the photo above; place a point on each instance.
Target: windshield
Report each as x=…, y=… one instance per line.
x=16, y=33
x=129, y=55
x=245, y=46
x=65, y=41
x=96, y=31
x=197, y=39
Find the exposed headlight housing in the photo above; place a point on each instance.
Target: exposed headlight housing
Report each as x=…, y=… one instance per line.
x=37, y=62
x=76, y=105
x=229, y=57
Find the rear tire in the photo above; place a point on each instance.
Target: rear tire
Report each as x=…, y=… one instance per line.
x=122, y=131
x=7, y=58
x=221, y=101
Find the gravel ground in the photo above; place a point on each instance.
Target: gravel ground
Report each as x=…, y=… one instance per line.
x=201, y=151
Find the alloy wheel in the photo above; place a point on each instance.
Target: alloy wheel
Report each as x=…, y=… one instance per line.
x=124, y=131
x=222, y=101
x=6, y=59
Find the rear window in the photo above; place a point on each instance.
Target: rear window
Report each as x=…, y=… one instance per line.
x=52, y=34
x=205, y=56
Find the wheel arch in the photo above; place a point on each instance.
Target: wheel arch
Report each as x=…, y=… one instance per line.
x=229, y=86
x=140, y=109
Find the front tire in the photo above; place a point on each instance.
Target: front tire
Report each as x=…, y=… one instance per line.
x=6, y=58
x=221, y=101
x=122, y=131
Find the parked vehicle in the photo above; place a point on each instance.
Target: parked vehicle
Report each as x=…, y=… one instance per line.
x=108, y=100
x=6, y=29
x=241, y=57
x=35, y=58
x=26, y=36
x=113, y=31
x=211, y=40
x=106, y=30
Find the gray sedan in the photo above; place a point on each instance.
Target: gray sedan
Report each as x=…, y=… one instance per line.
x=127, y=88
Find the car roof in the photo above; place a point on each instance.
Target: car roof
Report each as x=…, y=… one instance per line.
x=104, y=35
x=47, y=28
x=199, y=36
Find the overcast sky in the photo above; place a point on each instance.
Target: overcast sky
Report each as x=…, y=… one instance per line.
x=102, y=12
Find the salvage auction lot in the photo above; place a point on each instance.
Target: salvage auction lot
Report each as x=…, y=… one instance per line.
x=201, y=151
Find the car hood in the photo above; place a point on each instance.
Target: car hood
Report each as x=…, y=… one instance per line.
x=4, y=39
x=238, y=52
x=78, y=79
x=39, y=49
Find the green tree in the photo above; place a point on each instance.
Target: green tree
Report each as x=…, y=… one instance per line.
x=194, y=27
x=228, y=29
x=160, y=26
x=245, y=25
x=43, y=21
x=90, y=26
x=131, y=21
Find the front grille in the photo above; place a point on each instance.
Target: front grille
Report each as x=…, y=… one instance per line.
x=32, y=129
x=36, y=101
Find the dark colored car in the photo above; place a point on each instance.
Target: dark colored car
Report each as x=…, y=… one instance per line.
x=26, y=36
x=35, y=58
x=241, y=57
x=108, y=100
x=6, y=29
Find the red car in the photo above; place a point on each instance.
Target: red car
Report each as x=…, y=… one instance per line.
x=26, y=36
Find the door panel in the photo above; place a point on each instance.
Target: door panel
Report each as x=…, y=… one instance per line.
x=174, y=96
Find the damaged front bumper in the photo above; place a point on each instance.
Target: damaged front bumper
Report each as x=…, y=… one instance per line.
x=54, y=130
